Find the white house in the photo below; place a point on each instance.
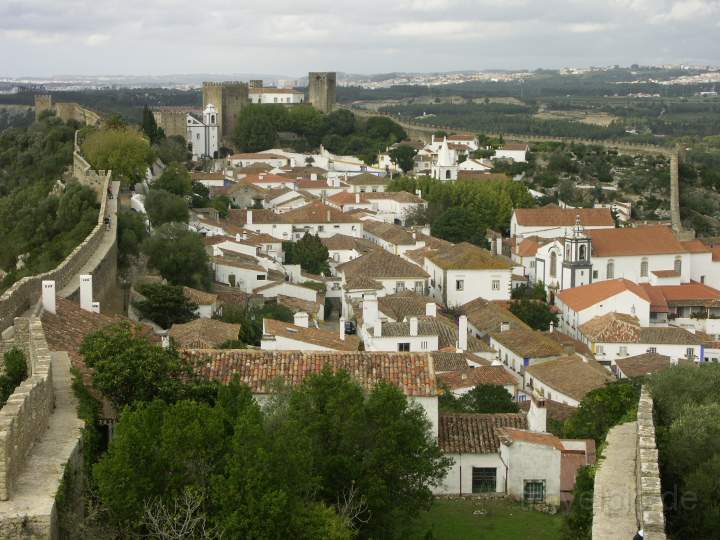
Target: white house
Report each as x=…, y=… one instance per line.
x=520, y=347
x=203, y=135
x=462, y=381
x=207, y=303
x=394, y=273
x=239, y=272
x=445, y=168
x=514, y=151
x=479, y=165
x=580, y=304
x=251, y=158
x=463, y=272
x=567, y=379
x=283, y=336
x=279, y=96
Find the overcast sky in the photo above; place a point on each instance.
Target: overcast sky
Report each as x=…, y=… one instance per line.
x=291, y=37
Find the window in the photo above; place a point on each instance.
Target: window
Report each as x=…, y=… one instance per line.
x=644, y=268
x=496, y=285
x=595, y=274
x=690, y=352
x=623, y=350
x=321, y=228
x=261, y=277
x=399, y=286
x=484, y=479
x=610, y=272
x=460, y=285
x=403, y=347
x=678, y=265
x=553, y=264
x=599, y=349
x=532, y=264
x=583, y=252
x=419, y=287
x=424, y=345
x=652, y=350
x=534, y=491
x=447, y=175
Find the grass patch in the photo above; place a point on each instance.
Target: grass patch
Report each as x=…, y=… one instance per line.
x=503, y=520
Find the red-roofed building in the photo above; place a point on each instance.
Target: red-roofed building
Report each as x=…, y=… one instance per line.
x=551, y=221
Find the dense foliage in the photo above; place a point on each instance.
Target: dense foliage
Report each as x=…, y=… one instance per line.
x=179, y=255
x=175, y=179
x=250, y=318
x=165, y=207
x=462, y=211
x=687, y=405
x=484, y=398
x=577, y=523
x=535, y=313
x=165, y=305
x=261, y=127
x=13, y=373
x=132, y=231
x=125, y=151
x=309, y=252
x=41, y=220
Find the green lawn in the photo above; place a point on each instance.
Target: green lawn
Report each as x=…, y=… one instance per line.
x=503, y=520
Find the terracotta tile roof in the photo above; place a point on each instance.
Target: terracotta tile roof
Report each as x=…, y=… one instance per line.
x=367, y=179
x=413, y=373
x=313, y=336
x=203, y=333
x=472, y=433
x=570, y=375
x=317, y=212
x=471, y=377
x=570, y=344
x=201, y=298
x=397, y=196
x=611, y=328
x=466, y=256
x=667, y=335
x=554, y=216
x=304, y=172
x=527, y=343
x=515, y=146
x=511, y=435
x=555, y=410
x=643, y=364
x=197, y=176
x=256, y=155
x=238, y=263
x=239, y=217
x=343, y=242
x=666, y=273
x=395, y=234
x=362, y=283
x=634, y=241
x=298, y=304
x=452, y=361
x=475, y=176
x=685, y=294
x=380, y=264
x=695, y=246
x=580, y=298
x=253, y=168
x=528, y=247
x=716, y=253
x=461, y=137
x=307, y=183
x=403, y=304
x=486, y=316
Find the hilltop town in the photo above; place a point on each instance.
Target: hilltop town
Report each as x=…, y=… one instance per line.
x=278, y=314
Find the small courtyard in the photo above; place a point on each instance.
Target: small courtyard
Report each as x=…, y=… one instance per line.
x=492, y=519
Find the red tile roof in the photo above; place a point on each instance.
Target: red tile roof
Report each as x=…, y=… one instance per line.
x=471, y=377
x=571, y=375
x=472, y=433
x=312, y=336
x=580, y=298
x=554, y=216
x=411, y=372
x=511, y=435
x=634, y=241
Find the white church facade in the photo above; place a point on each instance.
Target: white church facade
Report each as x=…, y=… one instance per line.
x=203, y=136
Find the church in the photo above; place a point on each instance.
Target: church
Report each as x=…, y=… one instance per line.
x=202, y=136
x=445, y=167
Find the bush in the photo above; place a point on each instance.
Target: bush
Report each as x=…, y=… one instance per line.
x=15, y=367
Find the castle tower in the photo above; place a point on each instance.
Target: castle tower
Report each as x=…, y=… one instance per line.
x=577, y=265
x=43, y=102
x=321, y=90
x=229, y=98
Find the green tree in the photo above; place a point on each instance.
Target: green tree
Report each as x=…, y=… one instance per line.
x=250, y=319
x=341, y=122
x=173, y=148
x=403, y=156
x=602, y=409
x=124, y=151
x=15, y=372
x=488, y=398
x=149, y=126
x=577, y=523
x=535, y=291
x=126, y=367
x=459, y=224
x=379, y=445
x=132, y=231
x=535, y=313
x=165, y=207
x=309, y=252
x=165, y=304
x=174, y=179
x=254, y=130
x=179, y=255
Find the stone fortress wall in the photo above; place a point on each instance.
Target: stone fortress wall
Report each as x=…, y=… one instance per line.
x=24, y=418
x=66, y=110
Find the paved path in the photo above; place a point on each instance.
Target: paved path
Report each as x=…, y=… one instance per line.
x=35, y=489
x=614, y=515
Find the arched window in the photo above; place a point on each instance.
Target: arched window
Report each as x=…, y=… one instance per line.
x=678, y=265
x=553, y=264
x=447, y=175
x=610, y=269
x=212, y=119
x=644, y=268
x=583, y=253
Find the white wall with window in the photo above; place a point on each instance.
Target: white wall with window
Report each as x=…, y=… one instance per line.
x=473, y=473
x=608, y=353
x=533, y=471
x=401, y=343
x=245, y=278
x=458, y=287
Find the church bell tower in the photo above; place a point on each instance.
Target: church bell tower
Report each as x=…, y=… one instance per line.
x=577, y=265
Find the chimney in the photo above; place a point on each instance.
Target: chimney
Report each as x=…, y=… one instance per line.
x=86, y=292
x=248, y=220
x=413, y=326
x=328, y=216
x=537, y=415
x=431, y=309
x=378, y=328
x=552, y=327
x=313, y=176
x=370, y=310
x=357, y=198
x=342, y=329
x=462, y=333
x=237, y=237
x=48, y=296
x=301, y=319
x=504, y=326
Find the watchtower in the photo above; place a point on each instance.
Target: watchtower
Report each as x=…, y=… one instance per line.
x=43, y=102
x=577, y=264
x=228, y=98
x=322, y=90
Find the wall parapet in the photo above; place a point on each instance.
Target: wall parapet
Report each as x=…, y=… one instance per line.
x=26, y=414
x=649, y=503
x=25, y=293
